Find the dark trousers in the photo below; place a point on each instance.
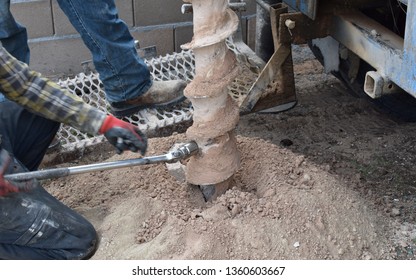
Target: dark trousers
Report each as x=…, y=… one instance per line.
x=34, y=224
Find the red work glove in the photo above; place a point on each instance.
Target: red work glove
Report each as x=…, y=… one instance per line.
x=5, y=186
x=123, y=135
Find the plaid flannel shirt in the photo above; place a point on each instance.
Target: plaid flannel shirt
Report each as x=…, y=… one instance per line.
x=44, y=97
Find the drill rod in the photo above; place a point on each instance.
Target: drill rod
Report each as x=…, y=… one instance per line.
x=182, y=152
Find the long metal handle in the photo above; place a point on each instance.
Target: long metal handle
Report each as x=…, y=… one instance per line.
x=182, y=152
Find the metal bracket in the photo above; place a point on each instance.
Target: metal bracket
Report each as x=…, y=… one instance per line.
x=302, y=29
x=274, y=89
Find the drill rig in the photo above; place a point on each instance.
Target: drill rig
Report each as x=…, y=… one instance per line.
x=368, y=44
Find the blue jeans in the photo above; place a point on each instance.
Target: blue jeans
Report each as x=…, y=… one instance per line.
x=34, y=224
x=123, y=73
x=13, y=36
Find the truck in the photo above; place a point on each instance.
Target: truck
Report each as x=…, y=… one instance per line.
x=369, y=45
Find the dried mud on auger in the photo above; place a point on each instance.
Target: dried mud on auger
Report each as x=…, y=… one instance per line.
x=216, y=114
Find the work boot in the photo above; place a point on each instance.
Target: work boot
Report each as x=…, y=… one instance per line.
x=160, y=94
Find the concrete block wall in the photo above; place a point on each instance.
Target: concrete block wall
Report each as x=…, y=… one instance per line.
x=58, y=51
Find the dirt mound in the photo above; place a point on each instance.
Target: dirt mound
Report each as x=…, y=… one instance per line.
x=280, y=207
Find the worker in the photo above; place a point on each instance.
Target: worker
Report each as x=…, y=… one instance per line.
x=127, y=81
x=34, y=224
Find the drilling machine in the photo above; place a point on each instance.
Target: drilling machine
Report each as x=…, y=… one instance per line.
x=368, y=44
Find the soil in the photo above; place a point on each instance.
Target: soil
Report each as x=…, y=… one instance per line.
x=333, y=178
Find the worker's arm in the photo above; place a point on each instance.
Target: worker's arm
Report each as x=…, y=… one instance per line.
x=44, y=97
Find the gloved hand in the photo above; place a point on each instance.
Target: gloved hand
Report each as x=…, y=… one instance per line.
x=123, y=135
x=5, y=186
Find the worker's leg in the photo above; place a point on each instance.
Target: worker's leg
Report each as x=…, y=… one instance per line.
x=25, y=135
x=13, y=36
x=35, y=225
x=124, y=74
x=126, y=78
